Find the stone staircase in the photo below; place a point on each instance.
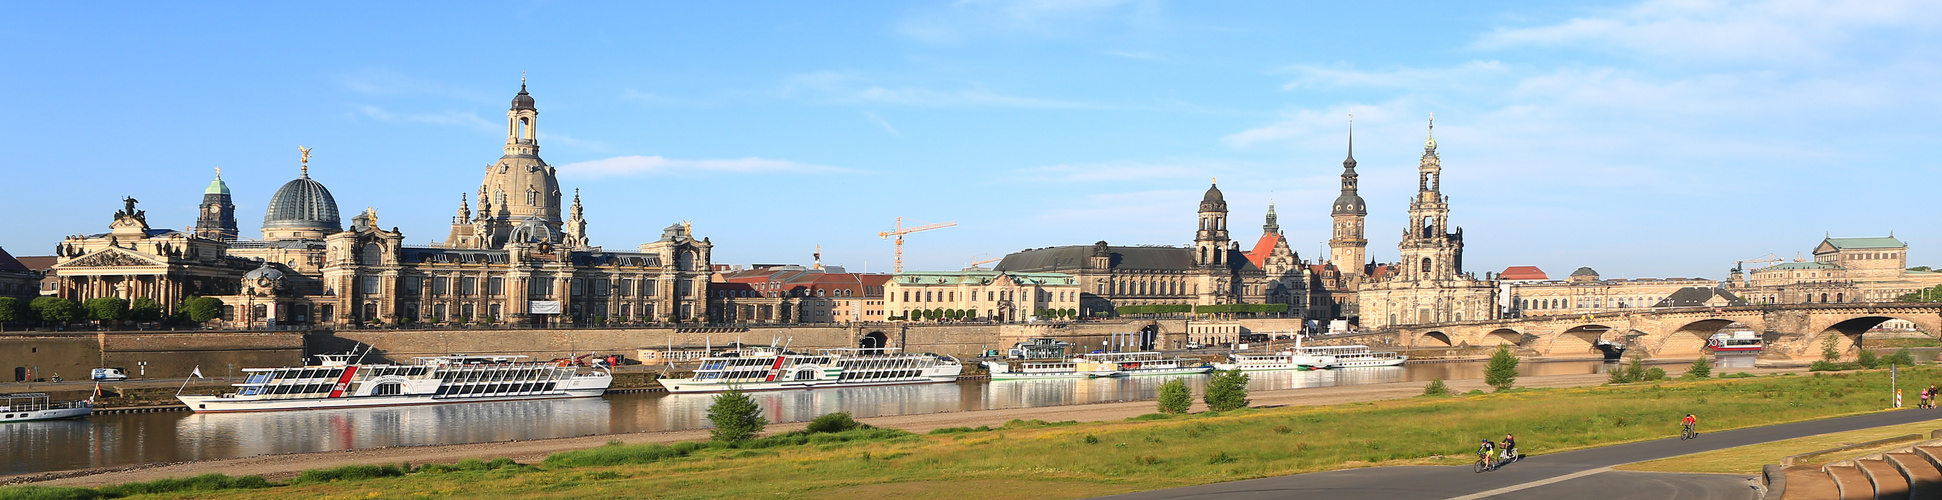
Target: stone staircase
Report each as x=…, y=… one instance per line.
x=1907, y=473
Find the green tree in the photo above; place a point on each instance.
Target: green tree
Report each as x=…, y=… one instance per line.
x=13, y=310
x=1227, y=391
x=1501, y=374
x=200, y=309
x=736, y=417
x=1175, y=397
x=1867, y=359
x=56, y=310
x=1437, y=388
x=1702, y=368
x=107, y=309
x=144, y=309
x=1828, y=352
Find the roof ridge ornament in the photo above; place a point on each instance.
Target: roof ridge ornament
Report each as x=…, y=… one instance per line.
x=305, y=160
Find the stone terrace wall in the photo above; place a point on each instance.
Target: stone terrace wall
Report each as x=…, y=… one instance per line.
x=167, y=354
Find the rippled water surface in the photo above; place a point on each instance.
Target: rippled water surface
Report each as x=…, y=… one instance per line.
x=109, y=440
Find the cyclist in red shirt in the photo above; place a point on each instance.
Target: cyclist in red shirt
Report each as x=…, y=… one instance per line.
x=1690, y=426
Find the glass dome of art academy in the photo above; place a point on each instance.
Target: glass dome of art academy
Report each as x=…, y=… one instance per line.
x=301, y=209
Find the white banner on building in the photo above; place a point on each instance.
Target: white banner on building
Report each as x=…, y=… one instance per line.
x=544, y=307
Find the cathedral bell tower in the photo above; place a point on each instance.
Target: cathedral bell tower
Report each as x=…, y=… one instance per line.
x=1348, y=249
x=1430, y=250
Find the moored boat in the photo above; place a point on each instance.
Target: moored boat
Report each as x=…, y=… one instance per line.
x=1050, y=369
x=772, y=368
x=1284, y=360
x=1354, y=356
x=36, y=406
x=338, y=381
x=1146, y=363
x=1740, y=341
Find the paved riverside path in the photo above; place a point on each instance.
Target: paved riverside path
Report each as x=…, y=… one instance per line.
x=1581, y=473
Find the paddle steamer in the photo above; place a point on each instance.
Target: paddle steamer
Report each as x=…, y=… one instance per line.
x=774, y=368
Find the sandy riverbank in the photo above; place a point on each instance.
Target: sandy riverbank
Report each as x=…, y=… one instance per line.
x=277, y=467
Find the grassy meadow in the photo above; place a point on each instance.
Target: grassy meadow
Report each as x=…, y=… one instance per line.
x=1072, y=460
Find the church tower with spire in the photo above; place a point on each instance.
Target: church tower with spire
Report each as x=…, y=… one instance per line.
x=1348, y=249
x=1430, y=249
x=217, y=218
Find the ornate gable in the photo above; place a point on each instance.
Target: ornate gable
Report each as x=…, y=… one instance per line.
x=112, y=257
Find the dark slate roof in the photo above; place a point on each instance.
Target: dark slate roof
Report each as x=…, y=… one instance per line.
x=287, y=244
x=152, y=233
x=1697, y=296
x=523, y=100
x=1584, y=271
x=303, y=203
x=616, y=259
x=8, y=263
x=1073, y=257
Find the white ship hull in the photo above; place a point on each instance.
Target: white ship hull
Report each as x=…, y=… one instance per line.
x=1265, y=367
x=1191, y=370
x=1365, y=363
x=220, y=404
x=53, y=414
x=685, y=386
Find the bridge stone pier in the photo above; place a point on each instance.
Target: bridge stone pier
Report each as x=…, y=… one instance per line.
x=1792, y=331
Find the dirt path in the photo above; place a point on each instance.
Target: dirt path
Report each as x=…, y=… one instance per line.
x=279, y=467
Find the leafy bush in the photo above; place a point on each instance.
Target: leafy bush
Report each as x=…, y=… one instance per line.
x=1901, y=357
x=834, y=422
x=1868, y=359
x=1438, y=389
x=1827, y=348
x=1175, y=397
x=1501, y=374
x=12, y=309
x=736, y=417
x=1830, y=366
x=1702, y=368
x=1654, y=373
x=347, y=473
x=56, y=310
x=106, y=308
x=1227, y=391
x=1737, y=375
x=961, y=430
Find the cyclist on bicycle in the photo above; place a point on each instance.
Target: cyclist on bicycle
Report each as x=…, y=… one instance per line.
x=1510, y=446
x=1484, y=450
x=1690, y=423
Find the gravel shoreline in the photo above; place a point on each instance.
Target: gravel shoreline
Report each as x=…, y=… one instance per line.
x=285, y=466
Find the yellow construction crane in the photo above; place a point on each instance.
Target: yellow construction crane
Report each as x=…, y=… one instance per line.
x=985, y=261
x=899, y=231
x=1769, y=258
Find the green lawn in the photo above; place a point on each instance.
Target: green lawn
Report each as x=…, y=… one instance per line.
x=1037, y=460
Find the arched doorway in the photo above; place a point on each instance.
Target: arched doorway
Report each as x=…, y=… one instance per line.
x=873, y=340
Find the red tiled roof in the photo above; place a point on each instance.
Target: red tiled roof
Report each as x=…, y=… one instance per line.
x=1262, y=248
x=1523, y=273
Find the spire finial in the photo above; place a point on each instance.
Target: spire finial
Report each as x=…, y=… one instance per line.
x=305, y=160
x=1213, y=180
x=219, y=172
x=1351, y=161
x=522, y=80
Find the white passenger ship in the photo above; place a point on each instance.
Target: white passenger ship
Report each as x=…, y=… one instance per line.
x=36, y=406
x=338, y=382
x=1284, y=360
x=772, y=368
x=1050, y=369
x=1146, y=363
x=1354, y=356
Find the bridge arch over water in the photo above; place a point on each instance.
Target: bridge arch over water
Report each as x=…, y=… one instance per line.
x=1791, y=331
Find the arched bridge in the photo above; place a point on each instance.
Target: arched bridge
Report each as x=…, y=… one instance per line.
x=1789, y=331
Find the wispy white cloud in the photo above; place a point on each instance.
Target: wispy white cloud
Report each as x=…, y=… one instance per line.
x=849, y=88
x=1722, y=30
x=1309, y=76
x=621, y=166
x=384, y=82
x=1129, y=171
x=872, y=116
x=968, y=19
x=458, y=118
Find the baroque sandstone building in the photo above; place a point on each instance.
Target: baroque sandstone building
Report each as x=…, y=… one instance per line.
x=523, y=259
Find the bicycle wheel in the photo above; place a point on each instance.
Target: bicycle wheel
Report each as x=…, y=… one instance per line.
x=1480, y=465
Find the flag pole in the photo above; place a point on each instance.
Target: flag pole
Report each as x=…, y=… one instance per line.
x=185, y=381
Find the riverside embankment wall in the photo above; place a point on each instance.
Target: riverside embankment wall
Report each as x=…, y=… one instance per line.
x=41, y=355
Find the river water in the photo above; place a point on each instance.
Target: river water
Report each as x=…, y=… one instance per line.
x=112, y=440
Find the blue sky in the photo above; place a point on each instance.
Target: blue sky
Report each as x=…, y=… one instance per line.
x=1654, y=139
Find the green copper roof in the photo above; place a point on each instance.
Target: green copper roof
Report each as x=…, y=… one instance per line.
x=1802, y=265
x=217, y=187
x=1846, y=243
